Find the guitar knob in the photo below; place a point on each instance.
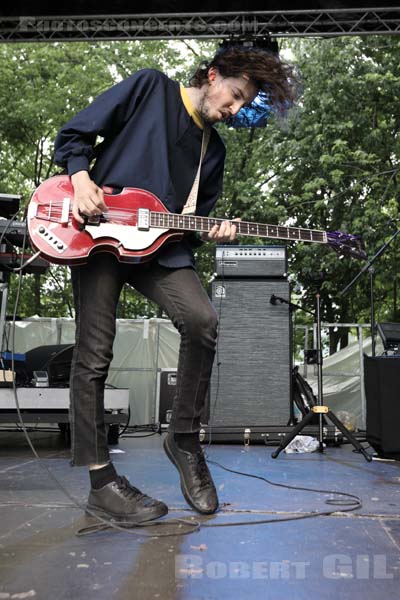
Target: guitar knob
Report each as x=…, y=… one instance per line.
x=41, y=229
x=60, y=246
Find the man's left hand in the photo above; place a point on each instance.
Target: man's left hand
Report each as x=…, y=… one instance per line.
x=226, y=232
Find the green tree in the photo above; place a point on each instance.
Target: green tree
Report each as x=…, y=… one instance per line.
x=341, y=163
x=332, y=164
x=41, y=87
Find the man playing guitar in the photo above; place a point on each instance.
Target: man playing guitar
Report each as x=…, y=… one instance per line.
x=152, y=130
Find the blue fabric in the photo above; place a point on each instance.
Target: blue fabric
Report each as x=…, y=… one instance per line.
x=150, y=142
x=256, y=114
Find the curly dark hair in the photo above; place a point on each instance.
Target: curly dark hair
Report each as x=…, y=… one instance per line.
x=265, y=69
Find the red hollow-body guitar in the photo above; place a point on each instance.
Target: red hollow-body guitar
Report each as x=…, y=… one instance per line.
x=136, y=225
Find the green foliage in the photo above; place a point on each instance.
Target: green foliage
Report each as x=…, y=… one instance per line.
x=41, y=87
x=332, y=164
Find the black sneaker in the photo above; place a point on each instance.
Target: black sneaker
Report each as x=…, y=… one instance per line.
x=196, y=482
x=122, y=501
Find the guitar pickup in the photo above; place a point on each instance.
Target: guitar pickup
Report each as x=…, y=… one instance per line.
x=32, y=210
x=65, y=211
x=143, y=219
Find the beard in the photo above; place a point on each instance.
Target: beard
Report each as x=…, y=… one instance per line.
x=204, y=110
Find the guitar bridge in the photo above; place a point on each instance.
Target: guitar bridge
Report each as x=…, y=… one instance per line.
x=143, y=219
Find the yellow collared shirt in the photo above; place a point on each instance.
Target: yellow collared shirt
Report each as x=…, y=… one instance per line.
x=191, y=109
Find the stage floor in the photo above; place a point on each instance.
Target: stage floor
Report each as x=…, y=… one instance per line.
x=346, y=555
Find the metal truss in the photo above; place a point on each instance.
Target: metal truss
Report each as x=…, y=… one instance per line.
x=291, y=23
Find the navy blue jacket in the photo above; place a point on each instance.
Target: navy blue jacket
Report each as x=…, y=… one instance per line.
x=149, y=142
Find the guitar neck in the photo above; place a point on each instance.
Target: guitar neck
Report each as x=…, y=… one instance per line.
x=204, y=224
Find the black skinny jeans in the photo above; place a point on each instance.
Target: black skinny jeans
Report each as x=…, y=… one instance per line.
x=97, y=287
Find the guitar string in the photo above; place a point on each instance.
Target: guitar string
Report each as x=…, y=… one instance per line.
x=290, y=233
x=129, y=212
x=341, y=243
x=256, y=231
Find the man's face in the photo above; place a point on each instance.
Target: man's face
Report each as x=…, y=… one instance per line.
x=224, y=96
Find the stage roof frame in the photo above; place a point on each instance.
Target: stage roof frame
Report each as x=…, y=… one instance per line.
x=202, y=25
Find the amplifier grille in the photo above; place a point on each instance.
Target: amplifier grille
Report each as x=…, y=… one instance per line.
x=253, y=387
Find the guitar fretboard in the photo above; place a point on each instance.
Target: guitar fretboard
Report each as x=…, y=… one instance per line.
x=195, y=223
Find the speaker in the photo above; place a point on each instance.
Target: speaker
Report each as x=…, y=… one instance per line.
x=390, y=335
x=166, y=389
x=251, y=377
x=54, y=359
x=382, y=384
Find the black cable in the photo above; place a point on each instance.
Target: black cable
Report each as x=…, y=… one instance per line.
x=132, y=430
x=134, y=436
x=121, y=433
x=355, y=503
x=8, y=226
x=129, y=527
x=137, y=529
x=218, y=363
x=63, y=295
x=2, y=237
x=102, y=523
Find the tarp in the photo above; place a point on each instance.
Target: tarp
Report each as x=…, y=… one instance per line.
x=343, y=381
x=144, y=346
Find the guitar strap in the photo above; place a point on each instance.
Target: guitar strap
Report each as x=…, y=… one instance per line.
x=191, y=202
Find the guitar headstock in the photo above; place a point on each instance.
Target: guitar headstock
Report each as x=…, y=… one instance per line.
x=346, y=244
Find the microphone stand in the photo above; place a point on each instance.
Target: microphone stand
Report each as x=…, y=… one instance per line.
x=274, y=299
x=292, y=307
x=319, y=409
x=368, y=267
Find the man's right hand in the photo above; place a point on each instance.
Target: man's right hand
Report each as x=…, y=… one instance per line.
x=88, y=197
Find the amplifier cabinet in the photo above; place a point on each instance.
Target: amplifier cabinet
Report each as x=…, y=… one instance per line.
x=166, y=388
x=250, y=261
x=382, y=383
x=165, y=394
x=251, y=378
